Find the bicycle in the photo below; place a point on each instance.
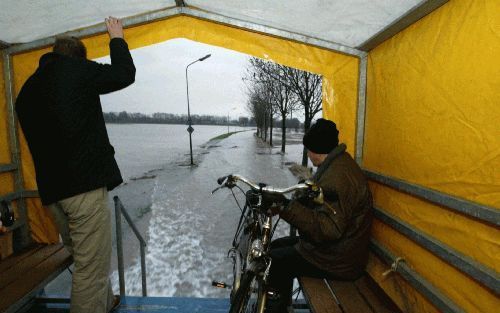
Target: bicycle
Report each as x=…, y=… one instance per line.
x=250, y=247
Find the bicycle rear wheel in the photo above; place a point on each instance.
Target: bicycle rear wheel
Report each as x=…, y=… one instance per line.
x=250, y=297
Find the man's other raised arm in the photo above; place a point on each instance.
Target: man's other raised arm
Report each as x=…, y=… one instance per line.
x=120, y=73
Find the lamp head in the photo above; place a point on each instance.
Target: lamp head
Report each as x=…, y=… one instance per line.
x=205, y=57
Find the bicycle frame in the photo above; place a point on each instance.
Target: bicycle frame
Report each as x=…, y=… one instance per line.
x=251, y=243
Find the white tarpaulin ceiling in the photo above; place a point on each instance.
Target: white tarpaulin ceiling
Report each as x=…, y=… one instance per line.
x=348, y=22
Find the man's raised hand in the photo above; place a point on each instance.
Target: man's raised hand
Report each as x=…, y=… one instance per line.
x=115, y=27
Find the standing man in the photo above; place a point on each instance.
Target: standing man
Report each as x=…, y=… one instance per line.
x=334, y=233
x=61, y=116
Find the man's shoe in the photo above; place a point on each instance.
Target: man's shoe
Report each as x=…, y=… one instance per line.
x=116, y=303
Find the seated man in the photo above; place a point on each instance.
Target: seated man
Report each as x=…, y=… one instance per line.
x=334, y=235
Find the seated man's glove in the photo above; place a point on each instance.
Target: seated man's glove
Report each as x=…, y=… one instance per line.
x=274, y=202
x=272, y=198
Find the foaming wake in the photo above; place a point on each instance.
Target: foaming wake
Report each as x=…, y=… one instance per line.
x=179, y=260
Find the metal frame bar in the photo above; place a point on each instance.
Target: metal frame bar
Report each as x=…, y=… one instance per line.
x=213, y=17
x=16, y=195
x=441, y=301
x=95, y=30
x=4, y=168
x=22, y=237
x=119, y=210
x=484, y=275
x=412, y=16
x=268, y=30
x=463, y=206
x=361, y=111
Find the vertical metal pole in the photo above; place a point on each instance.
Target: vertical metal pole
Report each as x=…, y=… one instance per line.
x=361, y=112
x=22, y=237
x=119, y=245
x=143, y=270
x=189, y=115
x=190, y=144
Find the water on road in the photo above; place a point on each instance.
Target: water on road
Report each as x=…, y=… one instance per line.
x=189, y=230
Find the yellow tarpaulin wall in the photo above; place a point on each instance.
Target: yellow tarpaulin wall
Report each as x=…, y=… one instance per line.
x=433, y=118
x=340, y=74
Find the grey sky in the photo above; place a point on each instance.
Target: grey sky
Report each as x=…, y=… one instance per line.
x=215, y=85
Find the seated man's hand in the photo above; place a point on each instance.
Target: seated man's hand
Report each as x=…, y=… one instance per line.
x=272, y=198
x=276, y=209
x=274, y=201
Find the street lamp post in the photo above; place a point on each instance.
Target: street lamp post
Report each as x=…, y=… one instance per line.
x=190, y=129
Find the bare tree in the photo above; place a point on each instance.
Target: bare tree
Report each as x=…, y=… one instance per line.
x=257, y=107
x=307, y=87
x=282, y=88
x=283, y=101
x=275, y=90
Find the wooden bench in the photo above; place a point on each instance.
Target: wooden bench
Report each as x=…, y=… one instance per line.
x=333, y=296
x=24, y=274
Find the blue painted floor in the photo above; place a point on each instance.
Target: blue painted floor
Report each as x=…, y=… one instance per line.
x=159, y=305
x=151, y=305
x=178, y=305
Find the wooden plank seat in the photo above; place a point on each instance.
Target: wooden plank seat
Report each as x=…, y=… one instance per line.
x=335, y=296
x=23, y=274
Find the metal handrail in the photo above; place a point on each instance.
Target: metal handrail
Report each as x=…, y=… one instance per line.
x=119, y=210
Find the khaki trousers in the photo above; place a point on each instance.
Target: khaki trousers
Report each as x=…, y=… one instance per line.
x=85, y=227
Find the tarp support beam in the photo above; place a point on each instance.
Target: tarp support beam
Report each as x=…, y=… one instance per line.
x=463, y=206
x=416, y=13
x=361, y=111
x=175, y=11
x=273, y=31
x=443, y=303
x=23, y=194
x=4, y=168
x=484, y=275
x=94, y=30
x=22, y=237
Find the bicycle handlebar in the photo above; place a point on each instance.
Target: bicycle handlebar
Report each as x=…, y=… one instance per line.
x=230, y=180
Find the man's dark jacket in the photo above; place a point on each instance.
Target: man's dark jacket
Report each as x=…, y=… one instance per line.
x=334, y=236
x=61, y=116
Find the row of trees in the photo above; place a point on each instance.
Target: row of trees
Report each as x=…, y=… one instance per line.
x=278, y=90
x=169, y=118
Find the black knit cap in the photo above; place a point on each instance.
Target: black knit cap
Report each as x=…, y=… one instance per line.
x=322, y=137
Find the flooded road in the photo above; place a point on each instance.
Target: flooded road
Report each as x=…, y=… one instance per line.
x=190, y=230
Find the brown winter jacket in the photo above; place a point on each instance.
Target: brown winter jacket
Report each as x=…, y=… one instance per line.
x=334, y=236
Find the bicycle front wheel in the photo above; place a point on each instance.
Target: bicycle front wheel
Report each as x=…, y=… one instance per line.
x=250, y=296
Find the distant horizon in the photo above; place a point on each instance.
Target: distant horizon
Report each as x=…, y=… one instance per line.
x=216, y=85
x=172, y=113
x=248, y=115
